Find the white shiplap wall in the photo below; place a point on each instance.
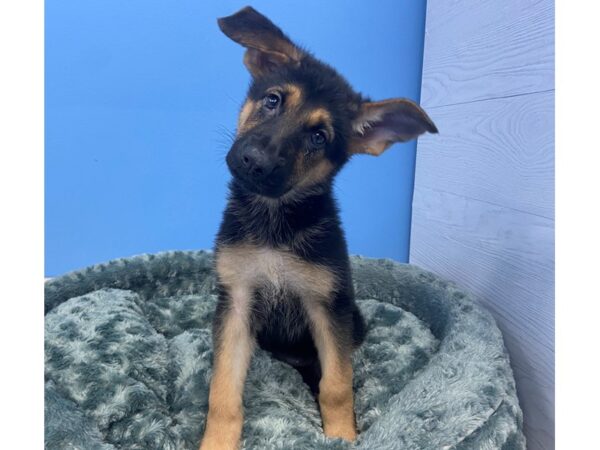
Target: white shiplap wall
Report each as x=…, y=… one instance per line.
x=483, y=211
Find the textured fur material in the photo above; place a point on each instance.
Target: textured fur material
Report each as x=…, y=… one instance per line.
x=128, y=364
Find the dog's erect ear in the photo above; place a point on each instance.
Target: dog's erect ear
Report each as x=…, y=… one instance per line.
x=267, y=47
x=380, y=124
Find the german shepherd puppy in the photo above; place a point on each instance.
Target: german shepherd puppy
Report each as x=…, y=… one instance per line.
x=282, y=264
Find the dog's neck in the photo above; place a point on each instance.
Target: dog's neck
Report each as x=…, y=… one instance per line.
x=278, y=221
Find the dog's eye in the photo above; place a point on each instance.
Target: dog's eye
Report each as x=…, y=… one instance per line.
x=271, y=101
x=318, y=138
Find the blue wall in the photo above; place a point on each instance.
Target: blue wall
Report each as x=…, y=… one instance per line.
x=139, y=95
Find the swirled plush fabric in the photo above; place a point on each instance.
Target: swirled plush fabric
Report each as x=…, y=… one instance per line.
x=128, y=364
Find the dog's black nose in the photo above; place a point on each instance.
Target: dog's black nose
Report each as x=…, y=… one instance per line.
x=256, y=162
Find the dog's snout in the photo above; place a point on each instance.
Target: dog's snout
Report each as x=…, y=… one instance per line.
x=256, y=162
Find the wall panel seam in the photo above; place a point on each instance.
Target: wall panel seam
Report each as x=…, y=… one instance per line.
x=522, y=94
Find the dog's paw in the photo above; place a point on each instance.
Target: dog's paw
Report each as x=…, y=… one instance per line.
x=222, y=434
x=211, y=442
x=346, y=431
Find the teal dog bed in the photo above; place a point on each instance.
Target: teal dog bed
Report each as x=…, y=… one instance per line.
x=128, y=364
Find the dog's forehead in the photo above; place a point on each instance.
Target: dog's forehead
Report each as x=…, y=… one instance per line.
x=313, y=83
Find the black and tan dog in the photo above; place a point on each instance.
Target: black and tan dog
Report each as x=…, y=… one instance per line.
x=281, y=258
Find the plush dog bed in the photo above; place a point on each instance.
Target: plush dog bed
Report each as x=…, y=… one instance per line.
x=128, y=364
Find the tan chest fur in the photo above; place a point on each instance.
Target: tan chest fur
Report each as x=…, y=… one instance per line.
x=248, y=267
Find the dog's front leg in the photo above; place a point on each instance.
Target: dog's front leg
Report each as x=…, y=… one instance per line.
x=233, y=347
x=335, y=388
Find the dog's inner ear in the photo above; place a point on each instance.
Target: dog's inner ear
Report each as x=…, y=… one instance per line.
x=267, y=48
x=381, y=124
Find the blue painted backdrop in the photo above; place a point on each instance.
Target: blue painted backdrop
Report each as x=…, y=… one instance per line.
x=139, y=95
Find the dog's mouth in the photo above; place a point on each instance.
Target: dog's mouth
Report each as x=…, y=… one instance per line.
x=270, y=186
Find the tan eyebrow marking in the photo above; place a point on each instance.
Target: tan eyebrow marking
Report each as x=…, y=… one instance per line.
x=321, y=117
x=244, y=115
x=293, y=95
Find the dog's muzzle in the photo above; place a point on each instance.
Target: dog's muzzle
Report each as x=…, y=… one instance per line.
x=255, y=164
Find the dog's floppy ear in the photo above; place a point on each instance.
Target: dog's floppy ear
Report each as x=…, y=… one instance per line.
x=267, y=47
x=380, y=124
